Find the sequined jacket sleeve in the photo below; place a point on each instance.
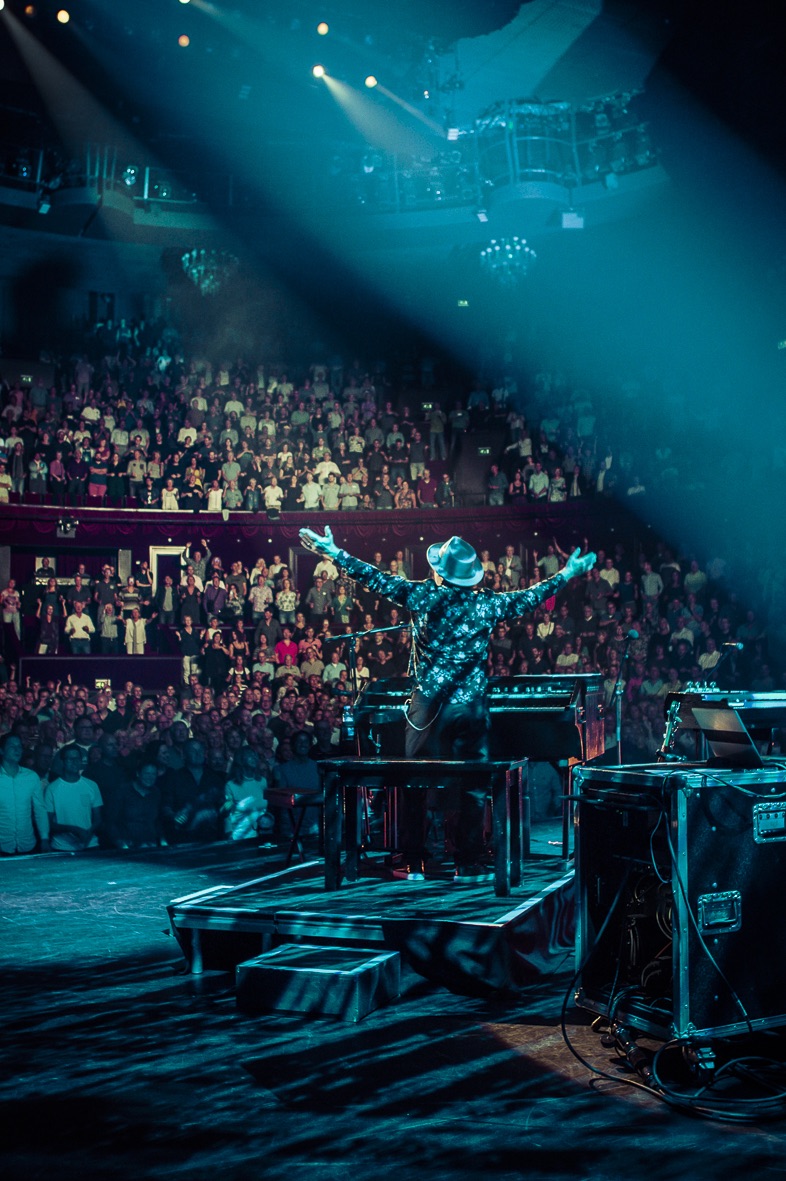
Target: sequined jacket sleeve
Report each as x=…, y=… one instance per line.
x=392, y=586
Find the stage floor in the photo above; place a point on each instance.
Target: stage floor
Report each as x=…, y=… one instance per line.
x=374, y=899
x=119, y=1063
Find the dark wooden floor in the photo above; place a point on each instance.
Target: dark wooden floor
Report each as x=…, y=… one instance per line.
x=116, y=1063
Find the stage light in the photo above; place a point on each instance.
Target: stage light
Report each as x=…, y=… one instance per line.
x=323, y=28
x=2, y=5
x=63, y=16
x=318, y=71
x=29, y=10
x=130, y=175
x=184, y=1
x=184, y=40
x=371, y=82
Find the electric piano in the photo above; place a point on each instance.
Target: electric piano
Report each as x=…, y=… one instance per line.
x=761, y=712
x=549, y=718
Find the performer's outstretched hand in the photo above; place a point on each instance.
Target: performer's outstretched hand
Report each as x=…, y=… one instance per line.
x=319, y=545
x=578, y=563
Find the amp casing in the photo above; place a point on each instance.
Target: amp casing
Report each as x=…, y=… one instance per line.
x=681, y=898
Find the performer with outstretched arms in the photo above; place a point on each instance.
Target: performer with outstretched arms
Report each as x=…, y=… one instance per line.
x=452, y=621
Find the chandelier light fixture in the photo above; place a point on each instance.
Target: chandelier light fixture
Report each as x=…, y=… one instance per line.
x=209, y=270
x=507, y=260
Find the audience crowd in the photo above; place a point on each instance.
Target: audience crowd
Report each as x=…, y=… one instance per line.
x=130, y=421
x=267, y=685
x=265, y=676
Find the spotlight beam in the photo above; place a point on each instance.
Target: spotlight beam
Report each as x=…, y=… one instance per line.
x=378, y=126
x=432, y=124
x=69, y=102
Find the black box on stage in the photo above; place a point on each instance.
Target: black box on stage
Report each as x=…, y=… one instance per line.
x=681, y=898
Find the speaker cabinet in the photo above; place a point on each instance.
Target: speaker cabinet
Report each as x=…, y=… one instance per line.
x=681, y=908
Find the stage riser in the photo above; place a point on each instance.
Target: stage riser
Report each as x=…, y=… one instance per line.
x=459, y=937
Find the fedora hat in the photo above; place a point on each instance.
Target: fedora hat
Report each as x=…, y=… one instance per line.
x=455, y=561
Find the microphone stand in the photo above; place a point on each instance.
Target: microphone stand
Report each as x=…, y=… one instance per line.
x=726, y=650
x=617, y=695
x=348, y=714
x=353, y=637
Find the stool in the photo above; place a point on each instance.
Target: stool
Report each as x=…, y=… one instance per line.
x=295, y=805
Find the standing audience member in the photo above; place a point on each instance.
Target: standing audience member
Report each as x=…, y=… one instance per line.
x=78, y=629
x=48, y=631
x=136, y=634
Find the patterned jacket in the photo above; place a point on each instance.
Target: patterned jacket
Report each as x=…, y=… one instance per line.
x=451, y=626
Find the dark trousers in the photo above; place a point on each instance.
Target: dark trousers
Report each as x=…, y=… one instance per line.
x=456, y=730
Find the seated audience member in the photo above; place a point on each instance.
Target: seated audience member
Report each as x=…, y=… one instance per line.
x=245, y=805
x=300, y=777
x=23, y=817
x=193, y=798
x=137, y=817
x=73, y=803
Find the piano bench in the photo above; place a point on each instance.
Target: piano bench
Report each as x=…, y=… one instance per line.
x=506, y=782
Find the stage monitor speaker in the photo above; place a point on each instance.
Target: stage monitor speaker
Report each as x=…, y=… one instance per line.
x=681, y=876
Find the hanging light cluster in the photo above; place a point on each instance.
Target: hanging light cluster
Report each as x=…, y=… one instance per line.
x=209, y=269
x=507, y=260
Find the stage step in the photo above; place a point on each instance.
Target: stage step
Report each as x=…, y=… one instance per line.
x=348, y=983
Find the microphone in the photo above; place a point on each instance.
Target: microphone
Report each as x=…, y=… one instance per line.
x=632, y=634
x=735, y=644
